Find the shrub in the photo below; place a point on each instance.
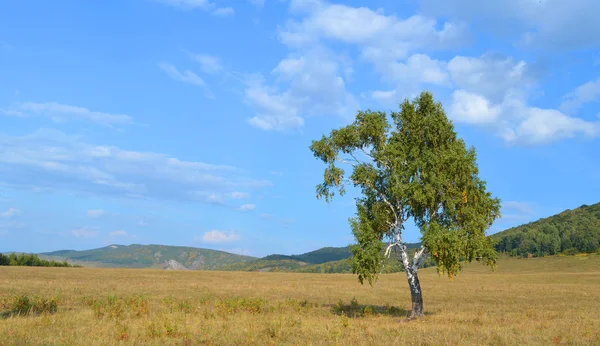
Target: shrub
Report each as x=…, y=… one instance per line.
x=234, y=305
x=23, y=305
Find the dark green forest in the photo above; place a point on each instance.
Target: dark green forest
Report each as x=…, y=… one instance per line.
x=30, y=260
x=570, y=232
x=326, y=254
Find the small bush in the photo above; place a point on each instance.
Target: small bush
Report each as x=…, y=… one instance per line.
x=23, y=305
x=234, y=305
x=352, y=310
x=114, y=307
x=185, y=307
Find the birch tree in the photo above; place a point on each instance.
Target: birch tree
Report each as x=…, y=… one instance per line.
x=409, y=165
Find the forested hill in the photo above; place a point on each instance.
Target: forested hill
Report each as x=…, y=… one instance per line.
x=326, y=254
x=570, y=232
x=148, y=256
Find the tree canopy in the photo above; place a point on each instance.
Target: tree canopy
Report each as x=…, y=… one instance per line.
x=30, y=260
x=409, y=165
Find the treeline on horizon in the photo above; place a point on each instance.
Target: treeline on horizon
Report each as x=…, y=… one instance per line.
x=570, y=232
x=30, y=260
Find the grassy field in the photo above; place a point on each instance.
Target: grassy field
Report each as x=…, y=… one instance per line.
x=541, y=301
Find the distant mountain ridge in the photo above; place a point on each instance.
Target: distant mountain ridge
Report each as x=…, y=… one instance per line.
x=569, y=232
x=323, y=260
x=149, y=256
x=322, y=255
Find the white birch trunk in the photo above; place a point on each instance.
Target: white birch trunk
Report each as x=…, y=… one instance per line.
x=413, y=279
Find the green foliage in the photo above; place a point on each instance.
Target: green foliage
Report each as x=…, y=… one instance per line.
x=235, y=304
x=570, y=232
x=356, y=310
x=116, y=307
x=30, y=260
x=326, y=254
x=414, y=166
x=281, y=265
x=24, y=305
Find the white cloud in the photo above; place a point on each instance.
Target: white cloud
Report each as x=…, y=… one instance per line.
x=518, y=123
x=215, y=198
x=62, y=113
x=258, y=3
x=239, y=195
x=306, y=84
x=381, y=36
x=409, y=76
x=119, y=233
x=223, y=12
x=588, y=92
x=189, y=4
x=50, y=159
x=96, y=213
x=384, y=96
x=216, y=237
x=543, y=126
x=537, y=23
x=208, y=63
x=10, y=213
x=84, y=232
x=492, y=76
x=493, y=92
x=472, y=108
x=204, y=5
x=247, y=207
x=313, y=77
x=275, y=111
x=186, y=77
x=419, y=68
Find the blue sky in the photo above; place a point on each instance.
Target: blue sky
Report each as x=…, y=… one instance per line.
x=187, y=122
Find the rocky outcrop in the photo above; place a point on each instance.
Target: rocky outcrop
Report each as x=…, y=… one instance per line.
x=174, y=265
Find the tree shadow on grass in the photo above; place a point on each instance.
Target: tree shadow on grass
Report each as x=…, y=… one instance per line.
x=356, y=310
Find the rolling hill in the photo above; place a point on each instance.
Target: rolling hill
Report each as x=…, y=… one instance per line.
x=148, y=256
x=324, y=260
x=569, y=232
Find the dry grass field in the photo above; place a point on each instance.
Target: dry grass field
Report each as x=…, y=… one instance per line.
x=534, y=302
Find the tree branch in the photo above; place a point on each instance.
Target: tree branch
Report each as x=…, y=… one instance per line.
x=391, y=207
x=419, y=257
x=339, y=159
